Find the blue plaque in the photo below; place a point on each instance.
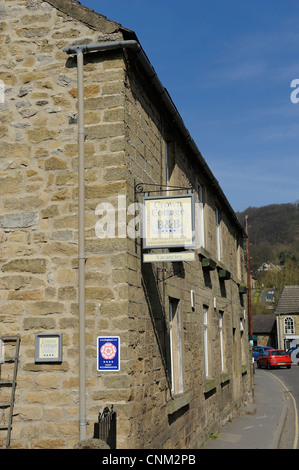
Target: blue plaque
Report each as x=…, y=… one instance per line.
x=108, y=353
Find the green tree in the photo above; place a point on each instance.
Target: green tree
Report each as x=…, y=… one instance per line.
x=287, y=275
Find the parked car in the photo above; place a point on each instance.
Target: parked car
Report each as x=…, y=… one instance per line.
x=289, y=351
x=294, y=355
x=274, y=358
x=259, y=351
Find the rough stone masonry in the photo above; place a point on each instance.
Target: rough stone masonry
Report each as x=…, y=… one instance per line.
x=38, y=210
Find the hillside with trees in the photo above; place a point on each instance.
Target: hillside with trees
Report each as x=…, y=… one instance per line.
x=274, y=240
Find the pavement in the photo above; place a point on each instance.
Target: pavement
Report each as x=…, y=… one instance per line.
x=259, y=425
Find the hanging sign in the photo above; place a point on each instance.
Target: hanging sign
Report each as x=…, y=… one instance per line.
x=108, y=353
x=168, y=222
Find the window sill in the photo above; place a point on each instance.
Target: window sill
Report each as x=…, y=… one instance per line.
x=225, y=377
x=202, y=252
x=209, y=384
x=178, y=402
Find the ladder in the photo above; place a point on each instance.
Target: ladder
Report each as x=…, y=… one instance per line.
x=8, y=377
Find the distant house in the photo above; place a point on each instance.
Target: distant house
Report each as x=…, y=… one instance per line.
x=287, y=317
x=265, y=297
x=264, y=330
x=269, y=267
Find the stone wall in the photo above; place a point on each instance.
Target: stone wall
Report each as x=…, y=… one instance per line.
x=39, y=206
x=284, y=339
x=180, y=421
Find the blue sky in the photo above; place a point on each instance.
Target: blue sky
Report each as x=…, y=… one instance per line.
x=228, y=66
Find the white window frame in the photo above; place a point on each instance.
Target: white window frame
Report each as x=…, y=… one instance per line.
x=221, y=340
x=175, y=337
x=218, y=232
x=289, y=326
x=201, y=219
x=206, y=338
x=238, y=253
x=166, y=169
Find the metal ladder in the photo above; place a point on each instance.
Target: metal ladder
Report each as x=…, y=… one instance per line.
x=13, y=360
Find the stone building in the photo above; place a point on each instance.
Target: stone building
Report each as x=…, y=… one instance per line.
x=264, y=330
x=287, y=317
x=182, y=325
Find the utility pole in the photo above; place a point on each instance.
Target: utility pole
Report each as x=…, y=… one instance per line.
x=248, y=281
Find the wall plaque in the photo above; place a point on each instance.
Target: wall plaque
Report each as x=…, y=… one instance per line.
x=48, y=347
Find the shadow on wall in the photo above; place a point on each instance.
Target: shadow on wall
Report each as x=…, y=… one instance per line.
x=158, y=315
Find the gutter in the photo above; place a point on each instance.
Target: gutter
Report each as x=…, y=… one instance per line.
x=79, y=51
x=133, y=45
x=81, y=249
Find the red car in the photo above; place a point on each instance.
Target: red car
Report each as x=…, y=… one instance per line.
x=274, y=358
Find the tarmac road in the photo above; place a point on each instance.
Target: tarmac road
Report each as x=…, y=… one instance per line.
x=289, y=379
x=271, y=422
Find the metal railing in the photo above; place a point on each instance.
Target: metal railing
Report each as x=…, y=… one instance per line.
x=105, y=428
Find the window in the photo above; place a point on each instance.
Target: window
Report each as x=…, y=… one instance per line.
x=169, y=164
x=167, y=168
x=175, y=346
x=289, y=326
x=200, y=218
x=239, y=243
x=218, y=233
x=206, y=339
x=221, y=341
x=242, y=337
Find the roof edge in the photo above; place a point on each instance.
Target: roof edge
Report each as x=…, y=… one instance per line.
x=89, y=17
x=171, y=108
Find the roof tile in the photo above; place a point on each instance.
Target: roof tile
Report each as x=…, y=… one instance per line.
x=289, y=301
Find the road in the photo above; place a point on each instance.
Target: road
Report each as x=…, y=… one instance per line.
x=289, y=380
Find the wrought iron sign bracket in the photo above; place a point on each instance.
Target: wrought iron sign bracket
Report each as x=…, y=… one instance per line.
x=147, y=188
